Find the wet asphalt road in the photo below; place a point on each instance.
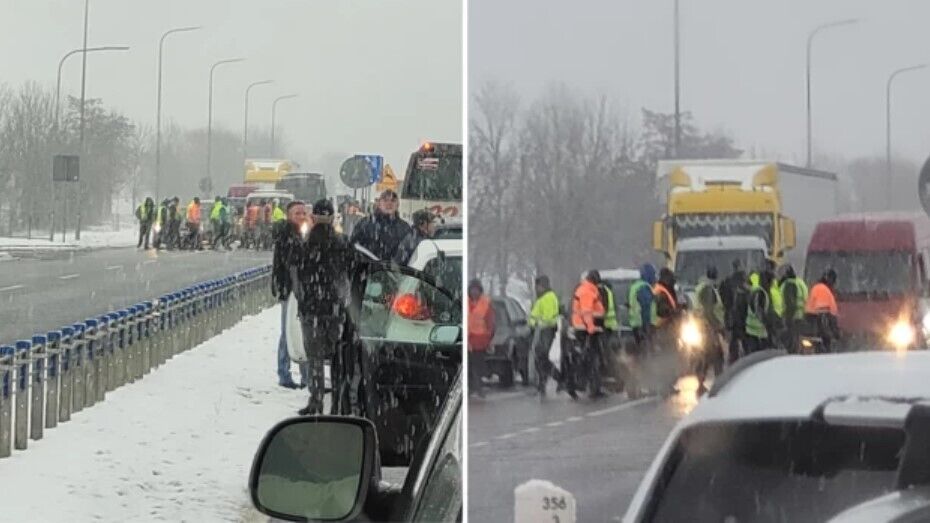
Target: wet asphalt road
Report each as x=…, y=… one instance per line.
x=597, y=450
x=37, y=295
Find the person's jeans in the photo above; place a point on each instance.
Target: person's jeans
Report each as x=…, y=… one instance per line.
x=477, y=369
x=284, y=360
x=543, y=365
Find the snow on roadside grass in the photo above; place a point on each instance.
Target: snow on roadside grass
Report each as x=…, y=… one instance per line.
x=176, y=446
x=93, y=238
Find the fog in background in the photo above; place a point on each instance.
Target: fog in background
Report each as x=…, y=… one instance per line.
x=373, y=77
x=742, y=65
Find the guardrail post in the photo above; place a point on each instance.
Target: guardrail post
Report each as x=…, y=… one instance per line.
x=172, y=328
x=92, y=361
x=67, y=374
x=52, y=387
x=21, y=423
x=149, y=328
x=7, y=354
x=37, y=394
x=79, y=350
x=117, y=355
x=129, y=341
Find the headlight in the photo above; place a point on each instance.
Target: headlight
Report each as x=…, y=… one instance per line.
x=157, y=227
x=902, y=335
x=807, y=344
x=691, y=334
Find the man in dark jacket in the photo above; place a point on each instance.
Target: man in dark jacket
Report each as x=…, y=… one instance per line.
x=423, y=229
x=173, y=237
x=382, y=232
x=734, y=293
x=287, y=240
x=321, y=272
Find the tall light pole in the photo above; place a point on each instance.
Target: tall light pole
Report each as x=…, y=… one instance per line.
x=888, y=169
x=74, y=52
x=677, y=82
x=161, y=47
x=274, y=109
x=810, y=41
x=83, y=73
x=210, y=114
x=245, y=128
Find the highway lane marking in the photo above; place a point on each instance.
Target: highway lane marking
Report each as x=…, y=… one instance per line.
x=507, y=436
x=530, y=430
x=622, y=406
x=11, y=288
x=68, y=276
x=111, y=267
x=479, y=444
x=574, y=419
x=555, y=424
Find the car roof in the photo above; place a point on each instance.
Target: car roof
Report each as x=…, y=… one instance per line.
x=429, y=249
x=620, y=274
x=720, y=243
x=795, y=386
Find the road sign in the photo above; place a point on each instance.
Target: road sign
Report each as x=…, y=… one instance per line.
x=66, y=168
x=361, y=170
x=388, y=180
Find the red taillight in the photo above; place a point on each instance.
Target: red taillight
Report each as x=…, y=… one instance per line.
x=410, y=307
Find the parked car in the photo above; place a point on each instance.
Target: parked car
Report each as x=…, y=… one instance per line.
x=407, y=371
x=510, y=346
x=324, y=468
x=797, y=438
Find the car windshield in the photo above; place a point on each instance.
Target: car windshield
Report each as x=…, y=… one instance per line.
x=691, y=265
x=434, y=177
x=774, y=471
x=863, y=274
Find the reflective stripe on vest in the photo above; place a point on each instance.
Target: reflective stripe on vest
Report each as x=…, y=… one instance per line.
x=754, y=325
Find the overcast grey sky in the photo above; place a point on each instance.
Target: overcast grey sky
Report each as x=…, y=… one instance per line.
x=373, y=76
x=742, y=64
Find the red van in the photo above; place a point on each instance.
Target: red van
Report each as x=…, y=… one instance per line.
x=881, y=264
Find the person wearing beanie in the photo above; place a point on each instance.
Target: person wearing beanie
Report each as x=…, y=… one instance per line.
x=424, y=227
x=382, y=232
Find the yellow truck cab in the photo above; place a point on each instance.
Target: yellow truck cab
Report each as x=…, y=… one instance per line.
x=720, y=208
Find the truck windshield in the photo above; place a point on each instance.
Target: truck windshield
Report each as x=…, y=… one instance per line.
x=863, y=274
x=775, y=471
x=691, y=265
x=434, y=177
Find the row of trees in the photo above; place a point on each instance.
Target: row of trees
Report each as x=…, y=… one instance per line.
x=566, y=182
x=118, y=159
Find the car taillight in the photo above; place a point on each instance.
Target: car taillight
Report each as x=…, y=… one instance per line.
x=410, y=307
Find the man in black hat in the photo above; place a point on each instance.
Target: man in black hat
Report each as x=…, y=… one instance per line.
x=424, y=227
x=382, y=232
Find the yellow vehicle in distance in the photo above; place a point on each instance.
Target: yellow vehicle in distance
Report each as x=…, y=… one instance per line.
x=266, y=173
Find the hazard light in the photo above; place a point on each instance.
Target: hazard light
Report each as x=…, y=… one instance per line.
x=426, y=147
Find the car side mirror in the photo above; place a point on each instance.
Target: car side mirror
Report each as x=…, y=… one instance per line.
x=314, y=468
x=445, y=335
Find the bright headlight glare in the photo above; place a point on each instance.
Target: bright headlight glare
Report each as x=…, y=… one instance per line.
x=691, y=334
x=807, y=344
x=902, y=335
x=926, y=322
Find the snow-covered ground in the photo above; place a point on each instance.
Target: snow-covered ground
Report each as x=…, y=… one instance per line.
x=92, y=238
x=176, y=446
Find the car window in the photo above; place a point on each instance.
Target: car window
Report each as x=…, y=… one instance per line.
x=401, y=308
x=442, y=492
x=775, y=471
x=447, y=272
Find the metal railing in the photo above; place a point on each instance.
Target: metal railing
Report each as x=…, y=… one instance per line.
x=45, y=380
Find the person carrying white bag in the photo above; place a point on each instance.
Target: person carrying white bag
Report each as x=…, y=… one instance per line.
x=287, y=239
x=544, y=319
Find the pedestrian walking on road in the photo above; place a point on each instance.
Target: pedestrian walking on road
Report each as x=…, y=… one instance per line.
x=321, y=272
x=480, y=332
x=544, y=319
x=287, y=242
x=382, y=232
x=173, y=238
x=734, y=292
x=145, y=213
x=193, y=224
x=587, y=311
x=794, y=291
x=761, y=319
x=161, y=223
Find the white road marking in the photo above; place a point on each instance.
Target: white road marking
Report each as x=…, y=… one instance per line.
x=531, y=430
x=11, y=288
x=68, y=276
x=507, y=436
x=574, y=419
x=111, y=267
x=479, y=444
x=622, y=406
x=555, y=424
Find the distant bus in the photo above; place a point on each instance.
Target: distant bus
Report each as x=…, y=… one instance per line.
x=307, y=187
x=267, y=173
x=433, y=181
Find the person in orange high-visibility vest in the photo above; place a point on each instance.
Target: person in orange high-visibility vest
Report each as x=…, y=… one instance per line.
x=480, y=332
x=587, y=310
x=821, y=309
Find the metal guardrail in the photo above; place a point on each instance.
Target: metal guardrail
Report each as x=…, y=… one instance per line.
x=45, y=380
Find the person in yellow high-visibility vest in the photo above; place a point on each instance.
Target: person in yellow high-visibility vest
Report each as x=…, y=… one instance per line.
x=544, y=319
x=794, y=292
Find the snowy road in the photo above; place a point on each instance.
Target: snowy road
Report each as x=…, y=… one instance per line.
x=176, y=446
x=596, y=450
x=41, y=295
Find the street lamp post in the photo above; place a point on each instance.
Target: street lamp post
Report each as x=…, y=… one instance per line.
x=274, y=109
x=61, y=63
x=245, y=129
x=810, y=41
x=161, y=46
x=210, y=114
x=77, y=229
x=888, y=168
x=677, y=82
